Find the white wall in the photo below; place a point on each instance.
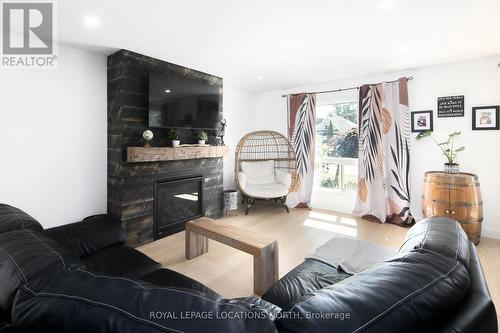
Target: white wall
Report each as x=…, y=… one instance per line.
x=478, y=80
x=53, y=138
x=238, y=106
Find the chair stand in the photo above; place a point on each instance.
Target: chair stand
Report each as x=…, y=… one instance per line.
x=283, y=201
x=250, y=202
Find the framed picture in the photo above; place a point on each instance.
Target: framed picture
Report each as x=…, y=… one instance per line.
x=421, y=121
x=485, y=117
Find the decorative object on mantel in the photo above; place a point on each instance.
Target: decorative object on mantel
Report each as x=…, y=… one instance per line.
x=147, y=135
x=221, y=131
x=173, y=135
x=157, y=154
x=421, y=121
x=202, y=137
x=457, y=196
x=485, y=117
x=450, y=106
x=448, y=149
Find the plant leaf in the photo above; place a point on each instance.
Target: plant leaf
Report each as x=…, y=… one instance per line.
x=424, y=134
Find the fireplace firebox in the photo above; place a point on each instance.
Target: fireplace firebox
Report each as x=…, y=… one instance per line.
x=176, y=200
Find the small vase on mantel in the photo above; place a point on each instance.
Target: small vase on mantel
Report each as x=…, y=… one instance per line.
x=451, y=167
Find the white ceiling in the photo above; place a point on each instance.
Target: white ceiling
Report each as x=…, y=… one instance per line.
x=287, y=42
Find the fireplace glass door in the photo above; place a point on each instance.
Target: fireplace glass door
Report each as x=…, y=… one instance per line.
x=177, y=201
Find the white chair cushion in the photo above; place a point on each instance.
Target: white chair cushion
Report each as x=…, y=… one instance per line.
x=257, y=173
x=283, y=177
x=267, y=191
x=242, y=179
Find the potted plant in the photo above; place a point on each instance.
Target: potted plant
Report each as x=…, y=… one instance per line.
x=202, y=137
x=173, y=135
x=448, y=149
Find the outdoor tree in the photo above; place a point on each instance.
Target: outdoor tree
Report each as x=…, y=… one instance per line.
x=329, y=132
x=347, y=111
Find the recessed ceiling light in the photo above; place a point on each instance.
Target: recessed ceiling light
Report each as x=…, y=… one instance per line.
x=386, y=4
x=168, y=91
x=91, y=21
x=259, y=77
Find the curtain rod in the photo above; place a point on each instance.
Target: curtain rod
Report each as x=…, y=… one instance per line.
x=409, y=78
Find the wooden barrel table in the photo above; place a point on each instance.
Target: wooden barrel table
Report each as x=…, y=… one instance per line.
x=457, y=196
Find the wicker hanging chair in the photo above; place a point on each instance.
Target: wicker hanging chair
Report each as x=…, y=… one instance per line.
x=265, y=167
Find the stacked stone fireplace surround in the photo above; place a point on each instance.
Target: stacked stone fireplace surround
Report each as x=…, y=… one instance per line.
x=131, y=185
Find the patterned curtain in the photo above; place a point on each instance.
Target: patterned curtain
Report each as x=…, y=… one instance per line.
x=384, y=154
x=301, y=130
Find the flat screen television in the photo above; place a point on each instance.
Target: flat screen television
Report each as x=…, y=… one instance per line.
x=177, y=102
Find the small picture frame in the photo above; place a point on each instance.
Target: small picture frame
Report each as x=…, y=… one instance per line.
x=421, y=121
x=485, y=117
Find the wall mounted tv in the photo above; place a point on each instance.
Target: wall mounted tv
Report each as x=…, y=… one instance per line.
x=177, y=102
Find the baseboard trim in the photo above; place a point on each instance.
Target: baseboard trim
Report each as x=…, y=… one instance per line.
x=491, y=233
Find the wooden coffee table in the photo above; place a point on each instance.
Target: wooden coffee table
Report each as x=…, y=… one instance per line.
x=263, y=249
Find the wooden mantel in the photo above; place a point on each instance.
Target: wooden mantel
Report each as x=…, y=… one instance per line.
x=156, y=154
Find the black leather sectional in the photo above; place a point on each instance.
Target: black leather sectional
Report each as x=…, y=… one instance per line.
x=81, y=277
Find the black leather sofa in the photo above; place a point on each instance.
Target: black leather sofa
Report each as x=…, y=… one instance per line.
x=99, y=241
x=434, y=284
x=82, y=278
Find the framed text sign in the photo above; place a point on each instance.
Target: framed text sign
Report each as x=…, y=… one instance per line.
x=450, y=106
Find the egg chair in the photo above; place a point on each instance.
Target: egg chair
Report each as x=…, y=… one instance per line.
x=265, y=167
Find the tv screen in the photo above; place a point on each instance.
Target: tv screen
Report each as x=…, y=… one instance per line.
x=176, y=102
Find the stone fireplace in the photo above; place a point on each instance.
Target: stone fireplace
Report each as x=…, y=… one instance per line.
x=154, y=191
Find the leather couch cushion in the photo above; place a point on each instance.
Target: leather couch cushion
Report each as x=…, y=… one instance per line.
x=168, y=278
x=309, y=276
x=12, y=218
x=476, y=313
x=121, y=260
x=26, y=255
x=89, y=236
x=272, y=309
x=79, y=301
x=403, y=294
x=440, y=235
x=4, y=322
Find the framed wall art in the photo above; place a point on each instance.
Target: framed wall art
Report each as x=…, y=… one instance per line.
x=421, y=121
x=485, y=117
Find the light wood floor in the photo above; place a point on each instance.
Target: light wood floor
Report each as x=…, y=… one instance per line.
x=229, y=271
